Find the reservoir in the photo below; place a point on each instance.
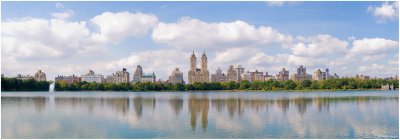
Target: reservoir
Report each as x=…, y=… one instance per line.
x=214, y=114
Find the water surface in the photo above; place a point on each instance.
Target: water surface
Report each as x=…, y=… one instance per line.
x=350, y=114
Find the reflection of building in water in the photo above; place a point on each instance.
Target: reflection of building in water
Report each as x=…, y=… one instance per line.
x=238, y=105
x=198, y=105
x=219, y=104
x=301, y=104
x=140, y=102
x=176, y=105
x=119, y=104
x=283, y=104
x=321, y=103
x=40, y=103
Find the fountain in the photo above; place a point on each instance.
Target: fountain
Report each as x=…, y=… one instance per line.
x=51, y=87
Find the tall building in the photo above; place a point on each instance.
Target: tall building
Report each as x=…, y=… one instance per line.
x=40, y=76
x=67, y=79
x=282, y=75
x=257, y=76
x=119, y=77
x=320, y=75
x=246, y=76
x=231, y=74
x=301, y=74
x=218, y=76
x=92, y=77
x=139, y=76
x=239, y=71
x=198, y=75
x=176, y=77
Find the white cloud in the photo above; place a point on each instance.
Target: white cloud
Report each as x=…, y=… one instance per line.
x=162, y=62
x=64, y=15
x=276, y=3
x=33, y=39
x=114, y=27
x=281, y=3
x=295, y=60
x=374, y=68
x=317, y=46
x=193, y=34
x=59, y=5
x=373, y=46
x=387, y=11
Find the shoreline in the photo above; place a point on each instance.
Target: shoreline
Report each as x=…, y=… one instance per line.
x=319, y=90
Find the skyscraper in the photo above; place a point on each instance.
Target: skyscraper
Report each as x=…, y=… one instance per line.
x=198, y=75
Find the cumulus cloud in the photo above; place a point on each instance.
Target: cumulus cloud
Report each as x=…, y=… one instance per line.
x=373, y=68
x=162, y=62
x=386, y=12
x=33, y=39
x=373, y=46
x=193, y=34
x=63, y=15
x=116, y=26
x=320, y=45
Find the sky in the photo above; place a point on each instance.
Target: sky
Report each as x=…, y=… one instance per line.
x=65, y=38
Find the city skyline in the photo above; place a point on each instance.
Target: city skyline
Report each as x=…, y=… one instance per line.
x=65, y=38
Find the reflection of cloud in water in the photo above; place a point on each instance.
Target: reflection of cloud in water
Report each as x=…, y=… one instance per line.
x=175, y=115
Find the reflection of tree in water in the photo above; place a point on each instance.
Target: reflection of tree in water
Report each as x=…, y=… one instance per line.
x=139, y=102
x=176, y=105
x=198, y=105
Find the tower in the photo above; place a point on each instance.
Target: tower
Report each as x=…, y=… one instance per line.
x=193, y=62
x=204, y=62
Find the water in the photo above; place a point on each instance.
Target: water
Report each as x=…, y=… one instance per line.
x=351, y=114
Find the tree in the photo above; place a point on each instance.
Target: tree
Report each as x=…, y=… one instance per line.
x=306, y=84
x=244, y=85
x=289, y=85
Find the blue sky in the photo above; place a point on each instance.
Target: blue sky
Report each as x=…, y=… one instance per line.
x=311, y=24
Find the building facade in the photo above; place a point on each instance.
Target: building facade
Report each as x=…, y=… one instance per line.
x=321, y=75
x=119, y=77
x=40, y=76
x=24, y=77
x=218, y=76
x=148, y=78
x=257, y=76
x=239, y=71
x=139, y=76
x=246, y=76
x=301, y=74
x=198, y=75
x=282, y=75
x=92, y=77
x=176, y=77
x=231, y=74
x=67, y=79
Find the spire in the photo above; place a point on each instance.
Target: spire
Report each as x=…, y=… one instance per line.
x=193, y=53
x=204, y=53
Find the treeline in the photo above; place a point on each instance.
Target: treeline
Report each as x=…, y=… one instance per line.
x=14, y=84
x=271, y=85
